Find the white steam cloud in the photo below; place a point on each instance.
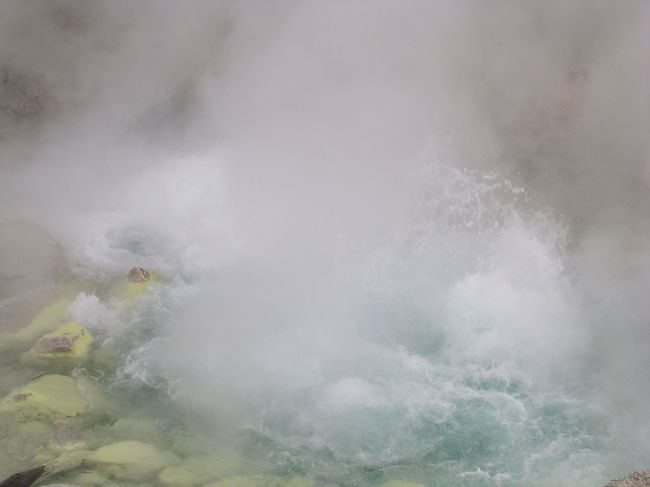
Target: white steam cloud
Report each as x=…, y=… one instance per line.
x=299, y=161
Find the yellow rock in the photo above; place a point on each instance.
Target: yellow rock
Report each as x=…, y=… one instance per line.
x=90, y=479
x=48, y=319
x=401, y=483
x=64, y=461
x=131, y=459
x=249, y=481
x=137, y=282
x=94, y=397
x=69, y=345
x=178, y=477
x=262, y=481
x=19, y=442
x=105, y=357
x=47, y=397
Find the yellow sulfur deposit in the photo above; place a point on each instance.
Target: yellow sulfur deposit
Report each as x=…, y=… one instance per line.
x=49, y=317
x=178, y=476
x=69, y=344
x=130, y=459
x=401, y=483
x=263, y=481
x=137, y=282
x=47, y=397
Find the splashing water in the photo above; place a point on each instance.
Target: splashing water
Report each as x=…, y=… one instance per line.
x=329, y=304
x=463, y=359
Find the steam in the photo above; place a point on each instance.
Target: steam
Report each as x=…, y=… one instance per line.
x=309, y=167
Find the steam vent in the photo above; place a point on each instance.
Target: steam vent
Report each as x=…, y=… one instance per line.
x=324, y=243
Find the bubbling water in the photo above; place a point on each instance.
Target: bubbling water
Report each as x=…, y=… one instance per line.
x=459, y=356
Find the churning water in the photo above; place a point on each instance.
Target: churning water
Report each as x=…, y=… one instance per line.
x=456, y=352
x=392, y=242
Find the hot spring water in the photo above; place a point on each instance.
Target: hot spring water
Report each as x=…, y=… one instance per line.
x=461, y=360
x=328, y=304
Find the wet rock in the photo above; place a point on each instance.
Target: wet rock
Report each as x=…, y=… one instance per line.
x=137, y=282
x=401, y=483
x=46, y=320
x=66, y=438
x=67, y=461
x=24, y=479
x=12, y=376
x=178, y=476
x=46, y=397
x=130, y=459
x=96, y=400
x=30, y=436
x=68, y=345
x=61, y=462
x=19, y=441
x=138, y=274
x=635, y=479
x=90, y=479
x=263, y=481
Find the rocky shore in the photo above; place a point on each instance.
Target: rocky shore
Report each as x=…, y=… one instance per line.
x=60, y=424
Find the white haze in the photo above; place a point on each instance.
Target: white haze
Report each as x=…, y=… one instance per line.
x=285, y=158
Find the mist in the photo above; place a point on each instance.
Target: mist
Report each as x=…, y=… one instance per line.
x=341, y=191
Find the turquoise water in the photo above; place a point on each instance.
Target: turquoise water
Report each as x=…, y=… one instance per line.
x=461, y=357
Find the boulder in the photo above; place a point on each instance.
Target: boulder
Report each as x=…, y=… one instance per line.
x=66, y=439
x=11, y=376
x=96, y=399
x=178, y=476
x=67, y=345
x=46, y=320
x=130, y=459
x=19, y=441
x=90, y=479
x=263, y=481
x=46, y=397
x=137, y=281
x=61, y=462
